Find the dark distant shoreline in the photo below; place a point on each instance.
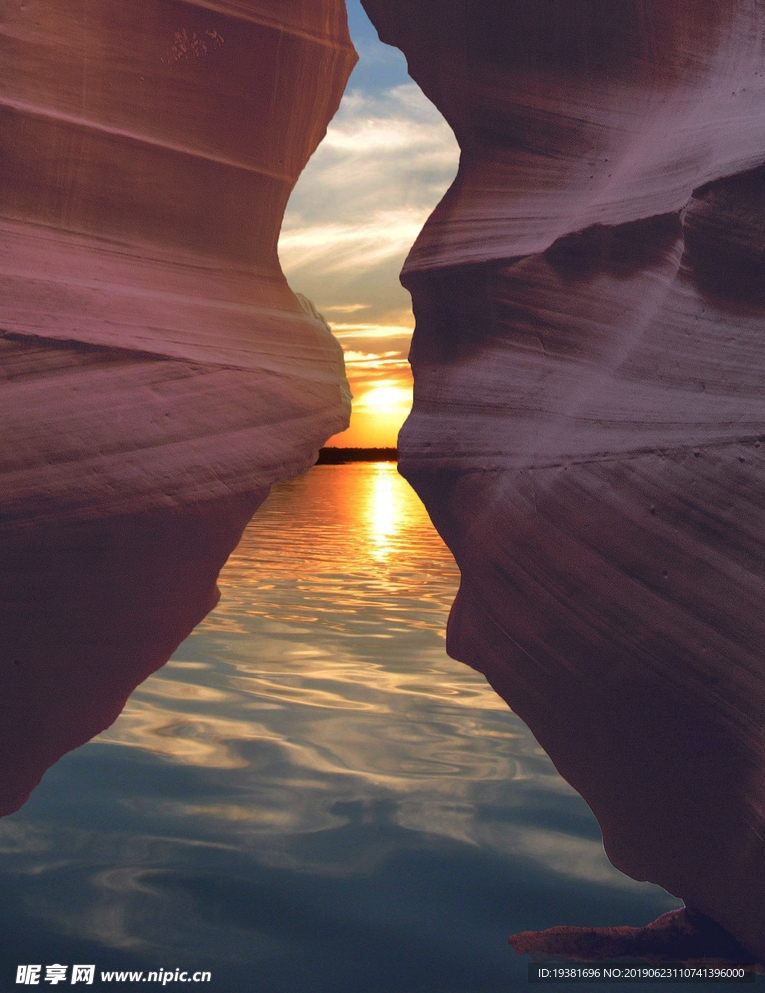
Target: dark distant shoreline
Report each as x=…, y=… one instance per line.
x=339, y=456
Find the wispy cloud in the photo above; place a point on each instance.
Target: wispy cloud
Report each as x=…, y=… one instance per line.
x=363, y=244
x=386, y=161
x=362, y=331
x=375, y=360
x=342, y=308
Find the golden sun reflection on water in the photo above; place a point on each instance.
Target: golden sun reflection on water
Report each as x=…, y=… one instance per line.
x=384, y=510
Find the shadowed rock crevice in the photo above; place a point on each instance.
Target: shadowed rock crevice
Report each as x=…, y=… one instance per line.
x=724, y=229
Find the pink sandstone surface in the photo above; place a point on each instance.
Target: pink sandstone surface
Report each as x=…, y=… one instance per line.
x=586, y=432
x=157, y=374
x=152, y=350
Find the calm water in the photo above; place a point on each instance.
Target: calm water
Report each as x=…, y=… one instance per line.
x=311, y=797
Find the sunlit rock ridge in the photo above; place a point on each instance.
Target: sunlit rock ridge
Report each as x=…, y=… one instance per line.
x=157, y=375
x=588, y=362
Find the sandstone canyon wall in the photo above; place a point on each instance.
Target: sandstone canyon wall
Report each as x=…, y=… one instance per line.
x=586, y=432
x=157, y=373
x=152, y=349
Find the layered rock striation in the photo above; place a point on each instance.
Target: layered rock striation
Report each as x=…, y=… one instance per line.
x=151, y=349
x=588, y=414
x=157, y=374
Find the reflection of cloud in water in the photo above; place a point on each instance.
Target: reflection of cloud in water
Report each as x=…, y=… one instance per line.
x=175, y=689
x=108, y=919
x=20, y=838
x=191, y=739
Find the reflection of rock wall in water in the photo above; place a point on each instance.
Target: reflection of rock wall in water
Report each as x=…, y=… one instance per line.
x=157, y=375
x=588, y=363
x=89, y=609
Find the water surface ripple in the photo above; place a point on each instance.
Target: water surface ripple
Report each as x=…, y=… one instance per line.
x=311, y=796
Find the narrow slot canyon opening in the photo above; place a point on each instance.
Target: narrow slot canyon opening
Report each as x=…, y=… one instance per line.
x=358, y=206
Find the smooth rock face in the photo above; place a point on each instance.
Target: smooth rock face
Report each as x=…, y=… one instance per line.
x=157, y=374
x=588, y=369
x=152, y=350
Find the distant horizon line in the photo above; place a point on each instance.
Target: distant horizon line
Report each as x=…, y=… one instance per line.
x=335, y=455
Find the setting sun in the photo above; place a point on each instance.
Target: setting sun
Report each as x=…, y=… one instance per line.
x=386, y=399
x=380, y=407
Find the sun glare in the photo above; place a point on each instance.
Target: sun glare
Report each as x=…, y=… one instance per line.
x=379, y=410
x=386, y=399
x=384, y=510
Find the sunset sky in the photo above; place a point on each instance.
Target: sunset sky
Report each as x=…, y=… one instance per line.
x=387, y=160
